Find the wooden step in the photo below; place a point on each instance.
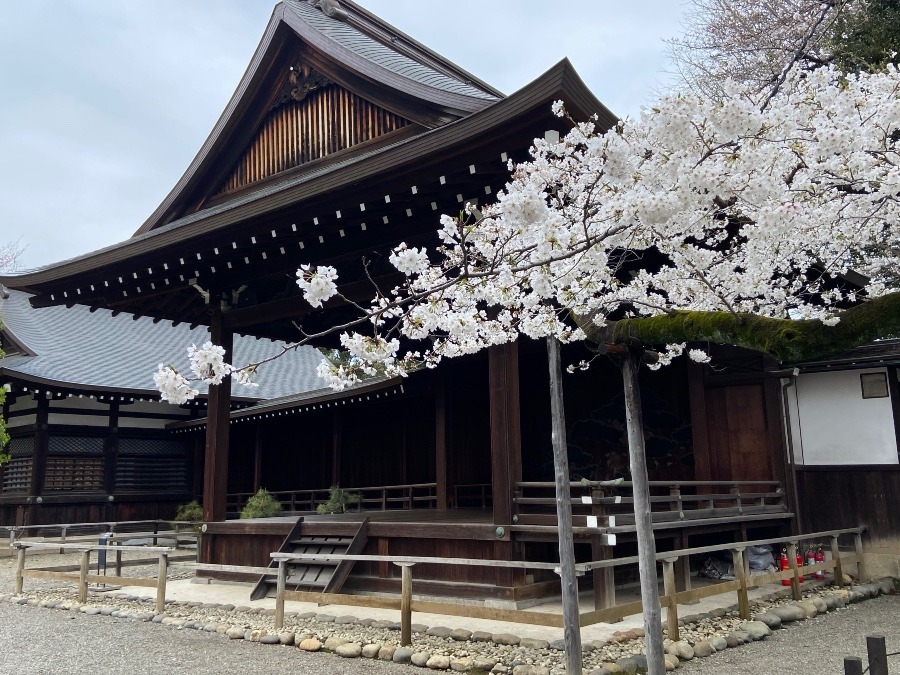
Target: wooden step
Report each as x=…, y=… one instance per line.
x=313, y=583
x=321, y=541
x=314, y=563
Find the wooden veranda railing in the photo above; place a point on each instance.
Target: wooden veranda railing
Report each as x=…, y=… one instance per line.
x=669, y=599
x=608, y=505
x=374, y=498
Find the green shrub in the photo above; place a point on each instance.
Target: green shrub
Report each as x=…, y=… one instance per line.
x=338, y=500
x=189, y=512
x=261, y=505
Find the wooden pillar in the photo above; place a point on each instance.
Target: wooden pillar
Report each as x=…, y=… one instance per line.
x=111, y=450
x=197, y=475
x=336, y=448
x=257, y=458
x=215, y=469
x=440, y=442
x=506, y=428
x=41, y=445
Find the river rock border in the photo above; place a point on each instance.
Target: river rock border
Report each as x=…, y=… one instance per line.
x=459, y=650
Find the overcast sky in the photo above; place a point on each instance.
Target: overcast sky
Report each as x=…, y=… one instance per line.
x=104, y=103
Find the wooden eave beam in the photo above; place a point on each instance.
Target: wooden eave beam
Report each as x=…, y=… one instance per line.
x=477, y=129
x=296, y=307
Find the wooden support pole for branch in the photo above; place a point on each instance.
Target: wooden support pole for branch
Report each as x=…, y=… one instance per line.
x=82, y=576
x=567, y=578
x=161, y=583
x=20, y=567
x=671, y=590
x=860, y=555
x=740, y=571
x=279, y=594
x=836, y=556
x=643, y=522
x=405, y=604
x=792, y=563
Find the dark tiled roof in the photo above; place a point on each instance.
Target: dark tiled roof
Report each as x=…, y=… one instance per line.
x=349, y=37
x=375, y=387
x=78, y=348
x=880, y=352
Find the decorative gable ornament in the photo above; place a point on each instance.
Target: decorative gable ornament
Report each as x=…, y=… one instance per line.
x=331, y=9
x=301, y=80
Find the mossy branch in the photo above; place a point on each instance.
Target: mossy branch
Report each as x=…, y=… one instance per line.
x=785, y=339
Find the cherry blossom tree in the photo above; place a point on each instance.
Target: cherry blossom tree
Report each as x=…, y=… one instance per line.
x=748, y=209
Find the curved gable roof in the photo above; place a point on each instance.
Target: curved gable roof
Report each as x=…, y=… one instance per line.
x=358, y=51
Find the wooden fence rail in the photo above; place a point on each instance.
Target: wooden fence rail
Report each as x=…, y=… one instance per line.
x=83, y=576
x=376, y=497
x=670, y=599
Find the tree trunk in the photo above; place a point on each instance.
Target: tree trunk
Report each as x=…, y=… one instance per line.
x=642, y=519
x=568, y=581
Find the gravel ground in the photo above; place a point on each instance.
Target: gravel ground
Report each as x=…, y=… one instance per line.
x=42, y=641
x=39, y=640
x=812, y=647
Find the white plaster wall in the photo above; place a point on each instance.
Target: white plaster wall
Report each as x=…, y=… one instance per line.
x=76, y=403
x=831, y=423
x=22, y=421
x=126, y=422
x=78, y=420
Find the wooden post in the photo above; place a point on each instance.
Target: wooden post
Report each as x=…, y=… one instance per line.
x=740, y=571
x=405, y=603
x=440, y=441
x=860, y=555
x=161, y=583
x=20, y=567
x=642, y=517
x=568, y=580
x=792, y=562
x=257, y=460
x=41, y=445
x=670, y=590
x=336, y=442
x=279, y=594
x=215, y=469
x=506, y=428
x=82, y=576
x=111, y=452
x=118, y=562
x=683, y=569
x=836, y=556
x=604, y=577
x=876, y=649
x=853, y=665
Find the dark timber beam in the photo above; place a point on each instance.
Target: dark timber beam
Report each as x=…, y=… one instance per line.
x=296, y=307
x=440, y=442
x=215, y=470
x=506, y=428
x=111, y=450
x=41, y=445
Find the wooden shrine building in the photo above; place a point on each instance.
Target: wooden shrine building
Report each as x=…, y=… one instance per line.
x=344, y=138
x=89, y=437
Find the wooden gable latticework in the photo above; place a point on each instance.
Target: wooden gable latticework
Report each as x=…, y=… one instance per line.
x=313, y=119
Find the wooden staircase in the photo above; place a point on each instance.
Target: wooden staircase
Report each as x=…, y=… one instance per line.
x=322, y=576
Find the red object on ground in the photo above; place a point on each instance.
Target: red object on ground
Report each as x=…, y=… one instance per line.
x=783, y=564
x=820, y=558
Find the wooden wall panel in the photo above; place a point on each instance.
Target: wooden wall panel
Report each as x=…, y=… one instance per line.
x=327, y=121
x=838, y=497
